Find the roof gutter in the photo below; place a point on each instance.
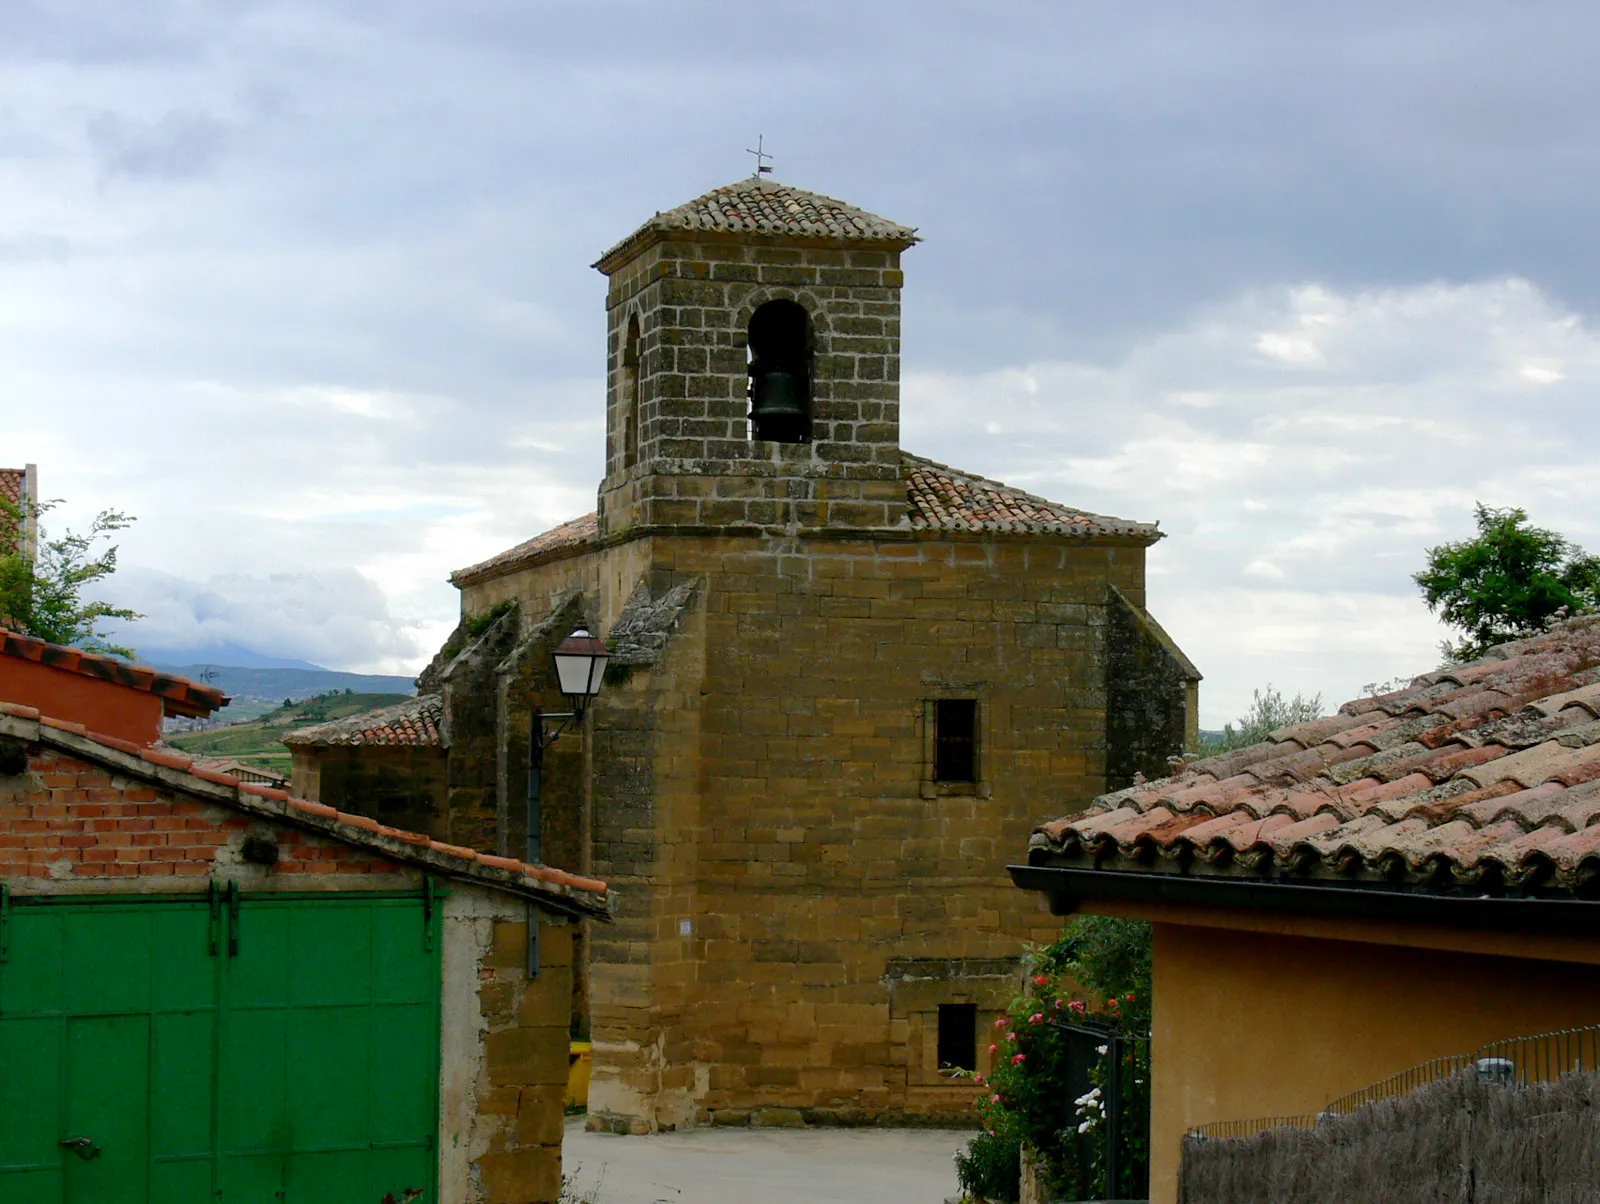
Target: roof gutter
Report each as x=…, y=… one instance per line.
x=1068, y=888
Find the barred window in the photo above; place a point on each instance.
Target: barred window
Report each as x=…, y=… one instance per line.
x=955, y=740
x=958, y=1036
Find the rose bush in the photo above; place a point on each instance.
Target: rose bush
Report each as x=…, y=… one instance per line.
x=1096, y=976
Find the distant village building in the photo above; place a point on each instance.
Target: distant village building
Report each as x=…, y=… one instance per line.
x=388, y=764
x=846, y=682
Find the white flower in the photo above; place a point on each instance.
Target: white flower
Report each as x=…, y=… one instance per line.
x=1086, y=1126
x=1091, y=1100
x=1102, y=1050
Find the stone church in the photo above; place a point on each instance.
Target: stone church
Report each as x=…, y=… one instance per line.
x=847, y=682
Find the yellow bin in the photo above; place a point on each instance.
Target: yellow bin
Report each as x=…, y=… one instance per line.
x=580, y=1061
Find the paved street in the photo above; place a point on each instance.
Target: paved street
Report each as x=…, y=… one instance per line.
x=753, y=1166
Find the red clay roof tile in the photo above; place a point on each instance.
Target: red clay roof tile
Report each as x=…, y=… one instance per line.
x=946, y=499
x=939, y=498
x=179, y=695
x=759, y=206
x=414, y=723
x=1491, y=782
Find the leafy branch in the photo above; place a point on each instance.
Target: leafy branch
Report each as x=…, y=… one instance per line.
x=42, y=595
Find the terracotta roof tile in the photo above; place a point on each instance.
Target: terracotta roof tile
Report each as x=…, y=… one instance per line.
x=947, y=499
x=11, y=484
x=414, y=723
x=179, y=695
x=1489, y=781
x=579, y=533
x=592, y=896
x=764, y=207
x=940, y=498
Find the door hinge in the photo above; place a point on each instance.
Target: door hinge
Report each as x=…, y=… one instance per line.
x=233, y=919
x=428, y=899
x=214, y=927
x=5, y=919
x=533, y=940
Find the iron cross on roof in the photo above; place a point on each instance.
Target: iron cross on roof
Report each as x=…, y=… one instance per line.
x=762, y=169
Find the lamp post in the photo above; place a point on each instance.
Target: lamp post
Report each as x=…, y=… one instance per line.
x=580, y=664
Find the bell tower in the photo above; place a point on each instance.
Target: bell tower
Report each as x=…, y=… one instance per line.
x=753, y=366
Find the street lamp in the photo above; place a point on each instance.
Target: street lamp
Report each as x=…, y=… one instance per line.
x=580, y=664
x=580, y=667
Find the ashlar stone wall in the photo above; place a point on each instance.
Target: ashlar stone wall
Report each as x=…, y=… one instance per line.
x=761, y=799
x=695, y=464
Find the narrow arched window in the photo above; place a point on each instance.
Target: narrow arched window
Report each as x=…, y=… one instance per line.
x=780, y=373
x=630, y=385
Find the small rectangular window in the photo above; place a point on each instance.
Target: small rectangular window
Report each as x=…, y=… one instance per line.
x=958, y=1036
x=955, y=740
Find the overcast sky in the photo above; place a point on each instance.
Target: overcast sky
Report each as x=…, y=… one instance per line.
x=306, y=287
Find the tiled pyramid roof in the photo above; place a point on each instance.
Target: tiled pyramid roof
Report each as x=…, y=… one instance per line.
x=571, y=893
x=763, y=206
x=414, y=722
x=1482, y=777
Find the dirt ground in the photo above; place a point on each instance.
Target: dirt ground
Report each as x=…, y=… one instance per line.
x=754, y=1166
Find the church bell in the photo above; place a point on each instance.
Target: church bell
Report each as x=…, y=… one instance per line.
x=776, y=396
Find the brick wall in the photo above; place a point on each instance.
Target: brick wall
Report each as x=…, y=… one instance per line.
x=67, y=820
x=70, y=827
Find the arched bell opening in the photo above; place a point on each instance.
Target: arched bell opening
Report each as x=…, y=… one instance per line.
x=629, y=390
x=780, y=373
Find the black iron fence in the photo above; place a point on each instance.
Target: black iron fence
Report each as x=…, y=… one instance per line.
x=1108, y=1077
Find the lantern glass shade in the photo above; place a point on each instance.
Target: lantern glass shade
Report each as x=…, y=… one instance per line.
x=581, y=666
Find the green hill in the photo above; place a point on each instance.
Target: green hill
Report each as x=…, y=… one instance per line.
x=257, y=742
x=258, y=691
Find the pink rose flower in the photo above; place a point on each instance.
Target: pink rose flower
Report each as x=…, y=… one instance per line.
x=1036, y=1018
x=1018, y=1059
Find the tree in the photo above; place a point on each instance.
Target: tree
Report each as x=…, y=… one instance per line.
x=1507, y=583
x=42, y=595
x=1269, y=710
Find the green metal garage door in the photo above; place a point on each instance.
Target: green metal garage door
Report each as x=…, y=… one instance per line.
x=257, y=1051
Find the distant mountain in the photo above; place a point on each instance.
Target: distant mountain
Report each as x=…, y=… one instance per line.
x=233, y=656
x=267, y=688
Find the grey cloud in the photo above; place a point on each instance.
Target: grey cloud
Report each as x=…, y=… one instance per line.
x=91, y=33
x=180, y=145
x=1301, y=449
x=1125, y=197
x=34, y=248
x=336, y=618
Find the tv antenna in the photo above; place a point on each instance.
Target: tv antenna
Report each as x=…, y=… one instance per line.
x=760, y=152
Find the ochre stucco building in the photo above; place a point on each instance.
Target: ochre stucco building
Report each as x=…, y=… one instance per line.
x=846, y=681
x=1411, y=878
